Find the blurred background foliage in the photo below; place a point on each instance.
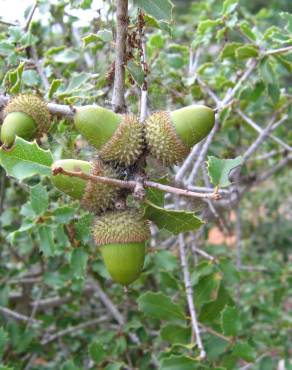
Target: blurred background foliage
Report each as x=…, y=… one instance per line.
x=69, y=315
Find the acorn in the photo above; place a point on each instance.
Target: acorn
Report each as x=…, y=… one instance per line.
x=95, y=197
x=117, y=137
x=122, y=236
x=26, y=116
x=171, y=135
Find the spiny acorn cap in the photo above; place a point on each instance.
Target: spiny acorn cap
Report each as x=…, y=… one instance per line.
x=99, y=197
x=170, y=135
x=126, y=226
x=117, y=137
x=32, y=106
x=126, y=144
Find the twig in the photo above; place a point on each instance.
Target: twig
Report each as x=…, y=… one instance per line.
x=265, y=175
x=187, y=163
x=256, y=127
x=189, y=294
x=73, y=329
x=212, y=331
x=30, y=16
x=109, y=304
x=17, y=316
x=131, y=185
x=6, y=23
x=238, y=249
x=118, y=98
x=59, y=110
x=37, y=64
x=204, y=254
x=262, y=136
x=229, y=96
x=286, y=49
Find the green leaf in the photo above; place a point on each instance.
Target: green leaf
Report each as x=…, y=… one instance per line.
x=247, y=31
x=6, y=48
x=14, y=78
x=244, y=351
x=229, y=6
x=54, y=87
x=39, y=199
x=136, y=72
x=207, y=25
x=247, y=51
x=178, y=362
x=173, y=221
x=176, y=334
x=165, y=260
x=47, y=245
x=159, y=9
x=159, y=306
x=207, y=289
x=79, y=262
x=220, y=169
x=210, y=311
x=63, y=215
x=26, y=159
x=83, y=227
x=156, y=196
x=67, y=56
x=230, y=49
x=96, y=352
x=230, y=321
x=105, y=35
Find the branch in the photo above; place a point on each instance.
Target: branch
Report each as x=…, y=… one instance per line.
x=189, y=294
x=286, y=49
x=30, y=16
x=73, y=329
x=59, y=110
x=132, y=185
x=118, y=98
x=17, y=316
x=256, y=127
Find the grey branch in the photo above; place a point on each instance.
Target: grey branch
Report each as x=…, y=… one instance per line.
x=73, y=329
x=256, y=127
x=17, y=316
x=118, y=98
x=189, y=294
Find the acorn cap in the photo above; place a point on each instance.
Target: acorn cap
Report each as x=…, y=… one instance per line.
x=100, y=197
x=72, y=186
x=124, y=262
x=118, y=137
x=126, y=144
x=34, y=107
x=163, y=142
x=170, y=135
x=119, y=227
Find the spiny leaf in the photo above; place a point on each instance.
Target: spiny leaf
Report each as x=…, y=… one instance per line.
x=220, y=169
x=26, y=159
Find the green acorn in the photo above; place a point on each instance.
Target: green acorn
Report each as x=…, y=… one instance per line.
x=122, y=236
x=95, y=197
x=170, y=135
x=117, y=137
x=26, y=116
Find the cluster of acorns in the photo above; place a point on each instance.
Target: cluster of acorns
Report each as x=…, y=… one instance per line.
x=120, y=140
